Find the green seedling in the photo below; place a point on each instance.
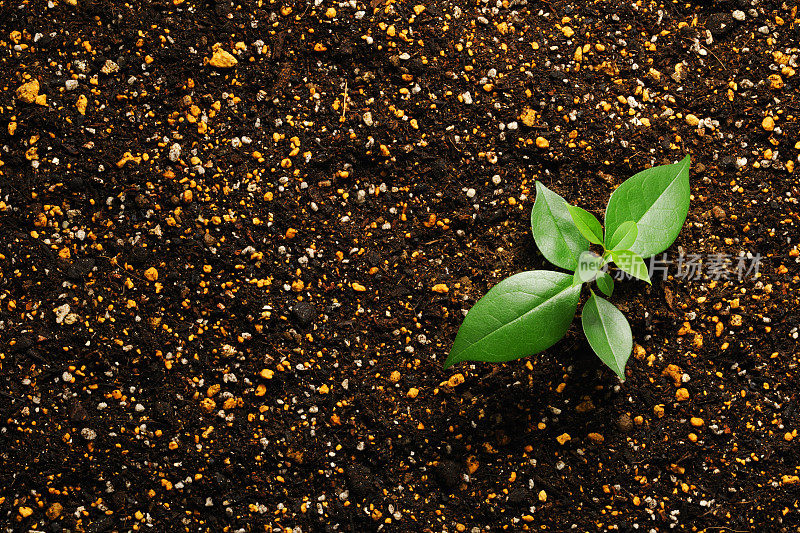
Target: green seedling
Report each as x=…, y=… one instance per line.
x=530, y=311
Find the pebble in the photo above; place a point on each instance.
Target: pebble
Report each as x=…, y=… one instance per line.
x=412, y=392
x=541, y=142
x=151, y=274
x=441, y=288
x=28, y=93
x=563, y=438
x=718, y=212
x=467, y=97
x=597, y=438
x=71, y=85
x=692, y=120
x=367, y=117
x=697, y=422
x=222, y=59
x=471, y=193
x=739, y=15
x=109, y=67
x=456, y=380
x=768, y=124
x=174, y=152
x=682, y=394
x=625, y=423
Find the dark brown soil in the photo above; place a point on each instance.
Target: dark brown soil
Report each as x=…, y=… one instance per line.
x=217, y=308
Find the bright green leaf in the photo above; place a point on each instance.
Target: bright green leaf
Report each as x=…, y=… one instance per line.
x=589, y=265
x=522, y=315
x=605, y=283
x=624, y=237
x=632, y=263
x=587, y=224
x=555, y=233
x=608, y=333
x=657, y=199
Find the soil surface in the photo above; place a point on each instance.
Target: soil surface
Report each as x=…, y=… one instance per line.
x=237, y=241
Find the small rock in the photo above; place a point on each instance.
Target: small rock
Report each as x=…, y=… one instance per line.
x=697, y=422
x=109, y=67
x=625, y=423
x=54, y=511
x=597, y=438
x=222, y=59
x=467, y=97
x=768, y=123
x=718, y=212
x=71, y=85
x=739, y=15
x=692, y=120
x=151, y=274
x=175, y=152
x=61, y=312
x=441, y=288
x=541, y=142
x=456, y=380
x=682, y=394
x=28, y=92
x=367, y=117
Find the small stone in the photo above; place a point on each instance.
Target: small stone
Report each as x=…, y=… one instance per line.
x=528, y=117
x=567, y=31
x=768, y=124
x=88, y=434
x=467, y=97
x=394, y=377
x=697, y=422
x=174, y=152
x=597, y=438
x=739, y=15
x=27, y=92
x=470, y=193
x=412, y=392
x=563, y=438
x=61, y=313
x=367, y=117
x=718, y=212
x=222, y=59
x=358, y=287
x=81, y=104
x=456, y=380
x=330, y=13
x=441, y=288
x=542, y=496
x=692, y=120
x=71, y=85
x=625, y=423
x=151, y=274
x=543, y=143
x=109, y=67
x=682, y=394
x=775, y=81
x=25, y=512
x=54, y=511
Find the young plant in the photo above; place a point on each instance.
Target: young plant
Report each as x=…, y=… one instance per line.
x=530, y=311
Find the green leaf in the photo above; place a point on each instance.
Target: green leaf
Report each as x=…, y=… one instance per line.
x=608, y=333
x=605, y=283
x=522, y=315
x=587, y=224
x=555, y=233
x=624, y=237
x=632, y=263
x=657, y=199
x=589, y=265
